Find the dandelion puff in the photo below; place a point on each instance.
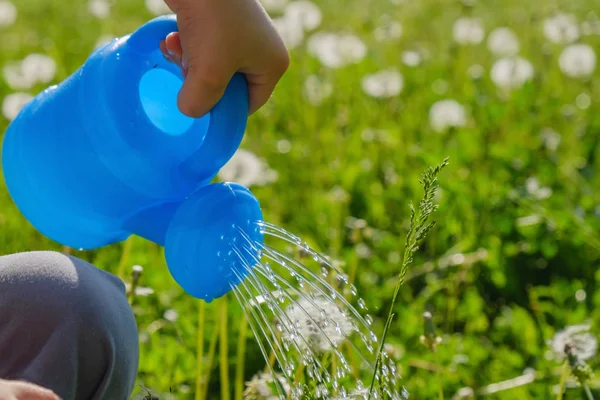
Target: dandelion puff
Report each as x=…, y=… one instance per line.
x=561, y=28
x=274, y=5
x=511, y=72
x=317, y=90
x=322, y=324
x=382, y=84
x=584, y=343
x=13, y=75
x=157, y=7
x=336, y=51
x=290, y=31
x=503, y=42
x=411, y=58
x=259, y=386
x=550, y=138
x=468, y=31
x=99, y=8
x=388, y=29
x=8, y=13
x=247, y=169
x=577, y=61
x=39, y=67
x=171, y=315
x=13, y=103
x=304, y=13
x=447, y=113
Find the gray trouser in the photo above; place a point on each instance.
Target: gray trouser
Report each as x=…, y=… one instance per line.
x=67, y=326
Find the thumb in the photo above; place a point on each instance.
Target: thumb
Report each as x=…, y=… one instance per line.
x=201, y=90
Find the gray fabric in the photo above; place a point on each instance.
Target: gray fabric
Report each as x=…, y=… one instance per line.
x=67, y=326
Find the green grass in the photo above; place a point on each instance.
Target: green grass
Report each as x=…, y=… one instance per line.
x=494, y=313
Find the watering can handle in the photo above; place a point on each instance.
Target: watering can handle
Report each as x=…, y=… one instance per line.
x=227, y=118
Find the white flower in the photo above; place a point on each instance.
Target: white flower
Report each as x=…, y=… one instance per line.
x=273, y=5
x=259, y=387
x=534, y=189
x=561, y=28
x=316, y=89
x=13, y=103
x=33, y=69
x=321, y=326
x=503, y=42
x=411, y=58
x=550, y=138
x=511, y=72
x=304, y=13
x=40, y=67
x=387, y=83
x=8, y=13
x=468, y=31
x=171, y=315
x=577, y=60
x=335, y=51
x=584, y=343
x=388, y=29
x=158, y=7
x=291, y=32
x=247, y=170
x=447, y=113
x=99, y=8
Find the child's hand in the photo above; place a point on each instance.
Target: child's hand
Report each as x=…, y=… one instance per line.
x=16, y=390
x=218, y=38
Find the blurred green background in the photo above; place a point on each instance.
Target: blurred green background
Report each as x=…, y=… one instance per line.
x=378, y=90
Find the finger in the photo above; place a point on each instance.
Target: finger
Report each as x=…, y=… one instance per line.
x=28, y=391
x=259, y=94
x=201, y=90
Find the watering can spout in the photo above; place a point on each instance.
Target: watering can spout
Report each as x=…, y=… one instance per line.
x=107, y=153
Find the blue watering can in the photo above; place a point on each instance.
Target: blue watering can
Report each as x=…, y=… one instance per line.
x=107, y=154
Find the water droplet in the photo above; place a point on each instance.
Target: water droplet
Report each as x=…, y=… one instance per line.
x=373, y=336
x=368, y=319
x=361, y=304
x=353, y=290
x=324, y=272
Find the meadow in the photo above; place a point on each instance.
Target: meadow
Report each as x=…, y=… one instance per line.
x=377, y=92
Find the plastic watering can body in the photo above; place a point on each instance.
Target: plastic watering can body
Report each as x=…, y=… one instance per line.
x=107, y=153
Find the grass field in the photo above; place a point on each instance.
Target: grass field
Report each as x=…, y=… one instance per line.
x=336, y=156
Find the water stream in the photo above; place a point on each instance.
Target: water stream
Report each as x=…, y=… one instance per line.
x=305, y=323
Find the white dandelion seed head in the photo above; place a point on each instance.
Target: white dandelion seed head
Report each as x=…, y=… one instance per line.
x=447, y=113
x=8, y=13
x=583, y=342
x=274, y=5
x=336, y=50
x=536, y=190
x=322, y=325
x=382, y=84
x=158, y=7
x=561, y=28
x=317, y=90
x=511, y=72
x=468, y=30
x=291, y=31
x=550, y=138
x=99, y=8
x=411, y=58
x=40, y=67
x=260, y=386
x=388, y=29
x=503, y=42
x=171, y=315
x=13, y=103
x=247, y=169
x=304, y=13
x=577, y=61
